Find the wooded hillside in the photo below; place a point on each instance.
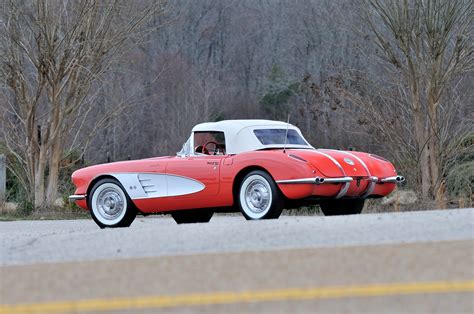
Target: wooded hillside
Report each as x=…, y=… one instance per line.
x=389, y=77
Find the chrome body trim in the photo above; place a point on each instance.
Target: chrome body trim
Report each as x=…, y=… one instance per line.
x=298, y=181
x=395, y=179
x=338, y=180
x=370, y=187
x=343, y=190
x=355, y=157
x=333, y=160
x=373, y=179
x=316, y=180
x=295, y=157
x=77, y=197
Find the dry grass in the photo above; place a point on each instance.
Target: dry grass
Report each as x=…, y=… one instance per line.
x=53, y=213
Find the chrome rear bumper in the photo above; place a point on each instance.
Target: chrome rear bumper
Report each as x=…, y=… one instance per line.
x=73, y=198
x=395, y=179
x=370, y=187
x=316, y=180
x=346, y=180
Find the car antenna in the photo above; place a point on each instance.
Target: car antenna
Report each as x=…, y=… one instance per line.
x=286, y=134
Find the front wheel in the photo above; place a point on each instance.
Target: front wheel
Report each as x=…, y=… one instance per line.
x=259, y=197
x=342, y=207
x=110, y=206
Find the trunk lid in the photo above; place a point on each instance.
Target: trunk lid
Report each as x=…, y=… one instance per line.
x=334, y=163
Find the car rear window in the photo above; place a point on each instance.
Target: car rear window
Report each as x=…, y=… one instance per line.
x=277, y=136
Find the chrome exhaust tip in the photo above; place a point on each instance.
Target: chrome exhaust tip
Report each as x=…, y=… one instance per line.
x=400, y=179
x=319, y=180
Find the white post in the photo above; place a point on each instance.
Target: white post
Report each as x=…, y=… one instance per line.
x=3, y=177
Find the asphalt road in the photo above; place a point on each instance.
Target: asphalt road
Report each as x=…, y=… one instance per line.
x=414, y=261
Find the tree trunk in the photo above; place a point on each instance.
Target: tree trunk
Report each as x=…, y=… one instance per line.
x=439, y=195
x=53, y=177
x=437, y=188
x=39, y=178
x=50, y=62
x=423, y=152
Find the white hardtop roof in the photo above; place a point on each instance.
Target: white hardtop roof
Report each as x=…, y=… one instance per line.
x=239, y=134
x=234, y=126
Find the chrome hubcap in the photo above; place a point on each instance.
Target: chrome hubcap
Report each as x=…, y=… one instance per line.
x=257, y=196
x=110, y=203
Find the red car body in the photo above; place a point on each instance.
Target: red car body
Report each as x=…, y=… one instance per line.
x=211, y=180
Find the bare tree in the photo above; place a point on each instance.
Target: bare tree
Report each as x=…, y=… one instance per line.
x=216, y=63
x=429, y=45
x=53, y=56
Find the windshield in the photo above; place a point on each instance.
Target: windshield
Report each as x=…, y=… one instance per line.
x=277, y=136
x=186, y=150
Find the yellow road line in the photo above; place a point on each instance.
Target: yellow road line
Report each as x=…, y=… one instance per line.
x=211, y=298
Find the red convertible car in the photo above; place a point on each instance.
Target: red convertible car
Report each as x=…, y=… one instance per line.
x=255, y=166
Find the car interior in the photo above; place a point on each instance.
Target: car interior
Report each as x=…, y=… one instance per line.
x=209, y=143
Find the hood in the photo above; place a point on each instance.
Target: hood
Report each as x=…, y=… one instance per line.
x=141, y=165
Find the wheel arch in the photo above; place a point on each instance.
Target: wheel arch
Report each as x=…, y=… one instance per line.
x=107, y=176
x=241, y=175
x=94, y=181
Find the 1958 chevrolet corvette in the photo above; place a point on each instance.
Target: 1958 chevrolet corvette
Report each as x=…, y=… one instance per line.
x=255, y=166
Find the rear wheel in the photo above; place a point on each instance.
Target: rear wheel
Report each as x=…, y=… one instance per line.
x=110, y=205
x=342, y=207
x=259, y=197
x=192, y=216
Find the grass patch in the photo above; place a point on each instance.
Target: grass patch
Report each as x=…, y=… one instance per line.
x=45, y=214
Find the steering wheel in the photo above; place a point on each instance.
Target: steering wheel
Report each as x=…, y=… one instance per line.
x=218, y=146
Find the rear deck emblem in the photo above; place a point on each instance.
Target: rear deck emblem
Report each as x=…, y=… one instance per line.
x=349, y=161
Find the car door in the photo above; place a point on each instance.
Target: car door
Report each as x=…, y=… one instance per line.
x=203, y=164
x=204, y=169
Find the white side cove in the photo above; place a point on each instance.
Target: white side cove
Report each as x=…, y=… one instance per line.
x=151, y=185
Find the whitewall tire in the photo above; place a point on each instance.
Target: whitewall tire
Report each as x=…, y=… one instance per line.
x=110, y=206
x=259, y=196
